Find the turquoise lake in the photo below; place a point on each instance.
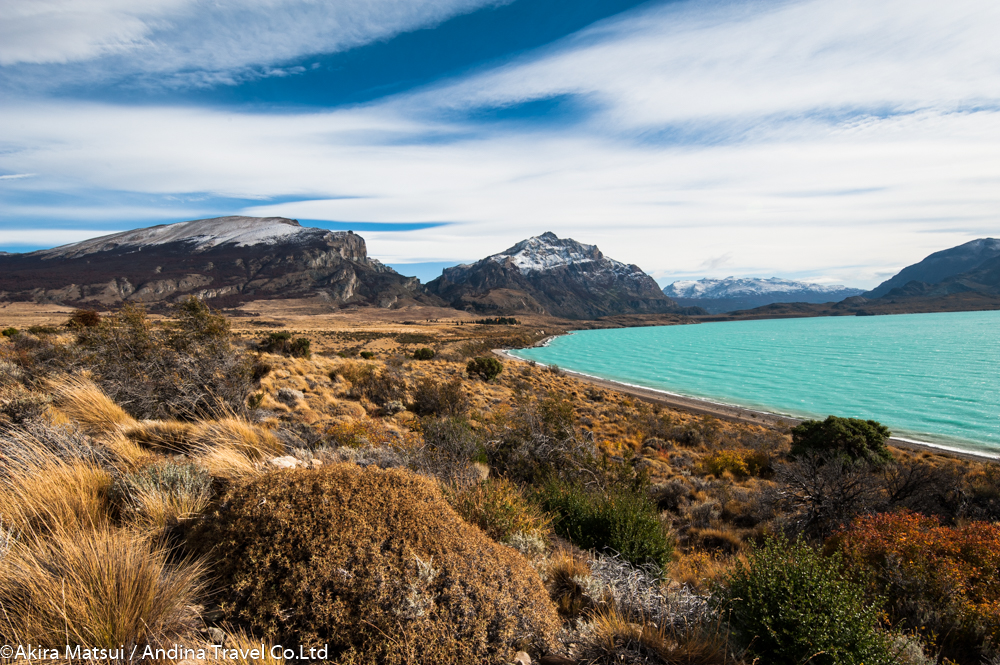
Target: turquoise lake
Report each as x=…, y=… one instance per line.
x=933, y=378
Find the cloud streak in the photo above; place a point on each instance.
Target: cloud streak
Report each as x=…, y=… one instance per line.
x=831, y=140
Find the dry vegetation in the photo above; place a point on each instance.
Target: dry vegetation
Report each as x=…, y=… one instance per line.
x=361, y=492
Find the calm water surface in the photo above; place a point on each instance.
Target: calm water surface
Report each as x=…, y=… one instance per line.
x=929, y=377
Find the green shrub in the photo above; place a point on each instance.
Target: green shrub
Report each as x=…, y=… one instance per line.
x=374, y=563
x=423, y=354
x=500, y=509
x=164, y=492
x=299, y=348
x=485, y=367
x=43, y=330
x=367, y=355
x=788, y=605
x=622, y=519
x=851, y=438
x=9, y=332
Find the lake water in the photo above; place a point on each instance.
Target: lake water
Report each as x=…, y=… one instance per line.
x=933, y=378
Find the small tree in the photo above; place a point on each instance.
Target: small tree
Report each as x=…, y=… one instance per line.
x=485, y=367
x=83, y=318
x=423, y=354
x=851, y=438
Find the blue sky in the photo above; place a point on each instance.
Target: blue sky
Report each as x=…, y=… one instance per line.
x=834, y=141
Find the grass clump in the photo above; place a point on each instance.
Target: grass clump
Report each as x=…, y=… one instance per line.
x=98, y=589
x=164, y=493
x=787, y=603
x=621, y=519
x=377, y=565
x=500, y=509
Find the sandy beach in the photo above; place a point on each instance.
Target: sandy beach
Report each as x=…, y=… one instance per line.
x=738, y=414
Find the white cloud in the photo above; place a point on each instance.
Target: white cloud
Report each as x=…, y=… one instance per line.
x=180, y=35
x=833, y=140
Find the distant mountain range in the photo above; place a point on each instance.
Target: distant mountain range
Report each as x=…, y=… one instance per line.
x=557, y=276
x=232, y=260
x=228, y=260
x=732, y=293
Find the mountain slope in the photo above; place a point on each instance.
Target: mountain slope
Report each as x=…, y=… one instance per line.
x=549, y=275
x=731, y=293
x=229, y=259
x=941, y=266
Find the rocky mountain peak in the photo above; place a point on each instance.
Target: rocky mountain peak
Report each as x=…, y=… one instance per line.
x=548, y=251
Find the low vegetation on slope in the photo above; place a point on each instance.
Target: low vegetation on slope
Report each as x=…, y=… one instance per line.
x=171, y=481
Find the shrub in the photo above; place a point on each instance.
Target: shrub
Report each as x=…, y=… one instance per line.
x=9, y=332
x=374, y=563
x=281, y=342
x=434, y=398
x=367, y=355
x=19, y=405
x=362, y=433
x=99, y=589
x=937, y=579
x=423, y=354
x=621, y=519
x=451, y=447
x=852, y=438
x=787, y=603
x=165, y=492
x=189, y=369
x=740, y=463
x=485, y=367
x=378, y=386
x=83, y=318
x=500, y=509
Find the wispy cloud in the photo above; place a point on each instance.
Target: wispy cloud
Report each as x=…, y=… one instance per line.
x=17, y=176
x=837, y=140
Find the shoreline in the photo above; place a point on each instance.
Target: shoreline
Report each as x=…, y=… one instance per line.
x=739, y=414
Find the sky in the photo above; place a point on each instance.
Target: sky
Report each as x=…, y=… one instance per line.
x=834, y=141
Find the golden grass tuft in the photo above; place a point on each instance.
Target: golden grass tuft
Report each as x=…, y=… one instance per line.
x=564, y=574
x=55, y=496
x=699, y=570
x=255, y=442
x=612, y=638
x=84, y=403
x=171, y=436
x=102, y=588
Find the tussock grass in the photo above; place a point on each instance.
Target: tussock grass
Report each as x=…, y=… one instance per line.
x=566, y=575
x=238, y=434
x=84, y=403
x=613, y=638
x=500, y=509
x=170, y=436
x=55, y=496
x=165, y=493
x=102, y=588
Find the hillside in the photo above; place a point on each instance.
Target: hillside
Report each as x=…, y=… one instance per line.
x=949, y=265
x=227, y=260
x=732, y=293
x=549, y=275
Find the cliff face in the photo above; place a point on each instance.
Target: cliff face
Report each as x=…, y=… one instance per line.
x=228, y=259
x=549, y=275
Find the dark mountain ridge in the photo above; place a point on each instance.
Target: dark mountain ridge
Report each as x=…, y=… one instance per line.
x=226, y=260
x=559, y=277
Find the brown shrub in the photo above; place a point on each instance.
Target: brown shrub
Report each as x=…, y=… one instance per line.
x=376, y=564
x=433, y=398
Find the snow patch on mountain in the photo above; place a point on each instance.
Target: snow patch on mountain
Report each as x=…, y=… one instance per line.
x=733, y=287
x=201, y=234
x=548, y=251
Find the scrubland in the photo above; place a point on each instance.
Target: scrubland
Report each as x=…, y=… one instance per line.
x=194, y=480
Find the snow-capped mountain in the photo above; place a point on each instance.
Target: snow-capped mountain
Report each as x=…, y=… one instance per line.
x=732, y=293
x=229, y=259
x=551, y=275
